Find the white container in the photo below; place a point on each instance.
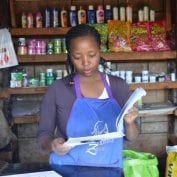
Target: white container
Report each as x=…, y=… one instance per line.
x=152, y=79
x=137, y=79
x=173, y=77
x=129, y=13
x=152, y=15
x=122, y=13
x=146, y=13
x=122, y=74
x=140, y=15
x=115, y=13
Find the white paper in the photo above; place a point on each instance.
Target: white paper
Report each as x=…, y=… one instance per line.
x=95, y=138
x=37, y=174
x=135, y=96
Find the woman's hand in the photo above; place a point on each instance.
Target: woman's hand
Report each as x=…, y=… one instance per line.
x=58, y=146
x=131, y=115
x=129, y=120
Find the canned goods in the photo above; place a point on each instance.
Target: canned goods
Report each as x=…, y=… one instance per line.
x=21, y=42
x=57, y=50
x=64, y=45
x=22, y=50
x=57, y=42
x=49, y=48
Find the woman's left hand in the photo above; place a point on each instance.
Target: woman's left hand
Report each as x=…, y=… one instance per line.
x=131, y=115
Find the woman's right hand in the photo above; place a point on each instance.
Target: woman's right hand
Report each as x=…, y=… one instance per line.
x=58, y=146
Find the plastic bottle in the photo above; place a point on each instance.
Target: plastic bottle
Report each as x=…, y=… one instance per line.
x=55, y=18
x=146, y=12
x=64, y=18
x=47, y=20
x=24, y=20
x=122, y=13
x=140, y=15
x=100, y=14
x=152, y=15
x=73, y=16
x=38, y=20
x=108, y=13
x=81, y=16
x=91, y=14
x=129, y=13
x=115, y=13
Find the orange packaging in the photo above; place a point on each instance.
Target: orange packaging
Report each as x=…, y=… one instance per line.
x=118, y=36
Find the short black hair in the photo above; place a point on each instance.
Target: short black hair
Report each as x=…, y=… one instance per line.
x=79, y=31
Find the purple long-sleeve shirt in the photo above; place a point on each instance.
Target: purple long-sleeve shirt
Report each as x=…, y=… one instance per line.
x=57, y=104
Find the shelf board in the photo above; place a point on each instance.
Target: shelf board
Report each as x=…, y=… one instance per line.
x=146, y=86
x=25, y=120
x=28, y=90
x=38, y=31
x=139, y=56
x=154, y=86
x=112, y=56
x=61, y=58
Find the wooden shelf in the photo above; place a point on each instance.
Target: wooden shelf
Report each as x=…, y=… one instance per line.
x=111, y=56
x=25, y=120
x=61, y=58
x=154, y=86
x=42, y=90
x=38, y=31
x=29, y=90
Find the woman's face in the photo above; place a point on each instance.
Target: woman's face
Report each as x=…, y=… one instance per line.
x=85, y=55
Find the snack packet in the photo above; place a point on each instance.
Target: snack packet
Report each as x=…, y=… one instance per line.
x=171, y=163
x=118, y=36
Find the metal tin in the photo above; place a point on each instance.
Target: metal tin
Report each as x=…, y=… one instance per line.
x=22, y=50
x=38, y=20
x=24, y=20
x=64, y=45
x=57, y=42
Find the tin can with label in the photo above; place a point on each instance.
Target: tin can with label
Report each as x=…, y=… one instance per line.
x=64, y=45
x=50, y=47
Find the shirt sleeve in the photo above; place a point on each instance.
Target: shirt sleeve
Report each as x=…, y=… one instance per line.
x=47, y=122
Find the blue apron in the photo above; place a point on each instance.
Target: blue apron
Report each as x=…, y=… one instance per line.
x=92, y=116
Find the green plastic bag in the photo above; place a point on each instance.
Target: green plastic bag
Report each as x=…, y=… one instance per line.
x=140, y=164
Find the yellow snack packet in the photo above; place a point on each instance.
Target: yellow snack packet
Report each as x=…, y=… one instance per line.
x=171, y=163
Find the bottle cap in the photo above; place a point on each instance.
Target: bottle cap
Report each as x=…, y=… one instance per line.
x=90, y=7
x=108, y=7
x=100, y=7
x=73, y=7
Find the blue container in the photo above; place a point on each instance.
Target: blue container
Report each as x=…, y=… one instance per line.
x=91, y=15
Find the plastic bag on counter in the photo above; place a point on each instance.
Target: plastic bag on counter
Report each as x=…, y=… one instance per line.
x=8, y=56
x=140, y=164
x=171, y=163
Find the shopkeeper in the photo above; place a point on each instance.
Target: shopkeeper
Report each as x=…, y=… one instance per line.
x=85, y=103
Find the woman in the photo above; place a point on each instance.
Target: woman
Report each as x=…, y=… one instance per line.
x=85, y=103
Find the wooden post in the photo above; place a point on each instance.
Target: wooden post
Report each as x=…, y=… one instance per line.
x=12, y=14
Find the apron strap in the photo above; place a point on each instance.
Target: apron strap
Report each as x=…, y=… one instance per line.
x=78, y=89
